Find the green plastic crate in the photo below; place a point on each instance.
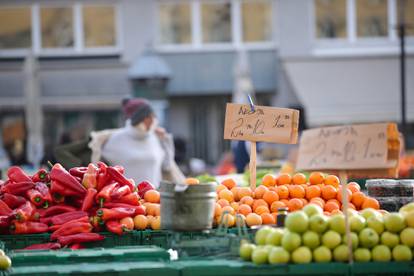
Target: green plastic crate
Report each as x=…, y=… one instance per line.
x=13, y=242
x=384, y=269
x=91, y=255
x=104, y=269
x=159, y=238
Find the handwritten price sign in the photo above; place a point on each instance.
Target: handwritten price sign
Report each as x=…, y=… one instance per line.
x=349, y=147
x=264, y=124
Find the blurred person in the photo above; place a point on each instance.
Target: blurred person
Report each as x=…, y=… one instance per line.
x=226, y=165
x=142, y=147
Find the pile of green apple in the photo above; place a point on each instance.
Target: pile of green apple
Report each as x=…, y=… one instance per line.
x=309, y=236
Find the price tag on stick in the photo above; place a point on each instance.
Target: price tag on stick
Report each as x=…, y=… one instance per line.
x=260, y=124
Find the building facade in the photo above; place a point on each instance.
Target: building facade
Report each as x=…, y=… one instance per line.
x=338, y=58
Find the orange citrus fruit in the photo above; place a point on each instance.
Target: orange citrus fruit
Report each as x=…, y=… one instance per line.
x=276, y=205
x=299, y=178
x=332, y=180
x=152, y=196
x=262, y=209
x=295, y=204
x=296, y=191
x=244, y=209
x=330, y=206
x=284, y=178
x=228, y=209
x=217, y=210
x=227, y=195
x=247, y=200
x=156, y=223
x=268, y=218
x=268, y=180
x=371, y=202
x=283, y=192
x=192, y=181
x=259, y=202
x=358, y=199
x=140, y=222
x=339, y=195
x=313, y=191
x=270, y=197
x=316, y=178
x=253, y=219
x=223, y=202
x=354, y=187
x=259, y=192
x=329, y=192
x=220, y=187
x=229, y=183
x=244, y=191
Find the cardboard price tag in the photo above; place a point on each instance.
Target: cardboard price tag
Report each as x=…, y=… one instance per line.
x=351, y=147
x=264, y=124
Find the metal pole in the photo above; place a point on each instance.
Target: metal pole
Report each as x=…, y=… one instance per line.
x=401, y=33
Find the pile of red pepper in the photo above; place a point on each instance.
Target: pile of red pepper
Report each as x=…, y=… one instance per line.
x=70, y=204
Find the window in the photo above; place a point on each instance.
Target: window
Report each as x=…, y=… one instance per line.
x=372, y=19
x=330, y=18
x=99, y=26
x=408, y=10
x=15, y=30
x=57, y=27
x=175, y=23
x=257, y=21
x=216, y=22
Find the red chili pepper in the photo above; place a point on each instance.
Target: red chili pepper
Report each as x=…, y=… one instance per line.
x=44, y=192
x=65, y=217
x=105, y=194
x=131, y=199
x=35, y=197
x=89, y=199
x=103, y=177
x=76, y=246
x=78, y=171
x=80, y=238
x=54, y=228
x=43, y=246
x=139, y=210
x=72, y=228
x=24, y=212
x=18, y=188
x=4, y=221
x=119, y=169
x=57, y=209
x=58, y=188
x=97, y=223
x=120, y=178
x=16, y=174
x=28, y=227
x=116, y=227
x=143, y=187
x=115, y=213
x=13, y=201
x=5, y=209
x=41, y=176
x=119, y=192
x=58, y=173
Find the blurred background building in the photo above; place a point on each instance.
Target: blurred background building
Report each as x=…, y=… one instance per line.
x=337, y=58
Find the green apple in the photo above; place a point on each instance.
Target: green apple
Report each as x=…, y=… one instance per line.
x=302, y=255
x=261, y=235
x=368, y=238
x=394, y=222
x=402, y=253
x=311, y=239
x=278, y=255
x=5, y=262
x=369, y=212
x=352, y=212
x=312, y=209
x=322, y=254
x=318, y=223
x=337, y=223
x=407, y=237
x=354, y=240
x=341, y=253
x=362, y=255
x=376, y=223
x=260, y=255
x=291, y=241
x=331, y=239
x=390, y=239
x=381, y=253
x=246, y=251
x=275, y=237
x=357, y=223
x=407, y=208
x=297, y=222
x=409, y=218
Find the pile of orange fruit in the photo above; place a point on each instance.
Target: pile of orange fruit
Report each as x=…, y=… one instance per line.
x=151, y=219
x=294, y=192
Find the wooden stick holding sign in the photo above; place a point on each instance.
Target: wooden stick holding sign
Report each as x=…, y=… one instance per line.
x=369, y=150
x=262, y=124
x=253, y=153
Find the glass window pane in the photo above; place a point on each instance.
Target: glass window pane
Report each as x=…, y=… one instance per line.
x=257, y=21
x=175, y=23
x=99, y=26
x=15, y=28
x=330, y=18
x=372, y=18
x=57, y=27
x=408, y=10
x=216, y=22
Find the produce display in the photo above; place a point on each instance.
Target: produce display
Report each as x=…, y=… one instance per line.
x=294, y=192
x=74, y=204
x=311, y=236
